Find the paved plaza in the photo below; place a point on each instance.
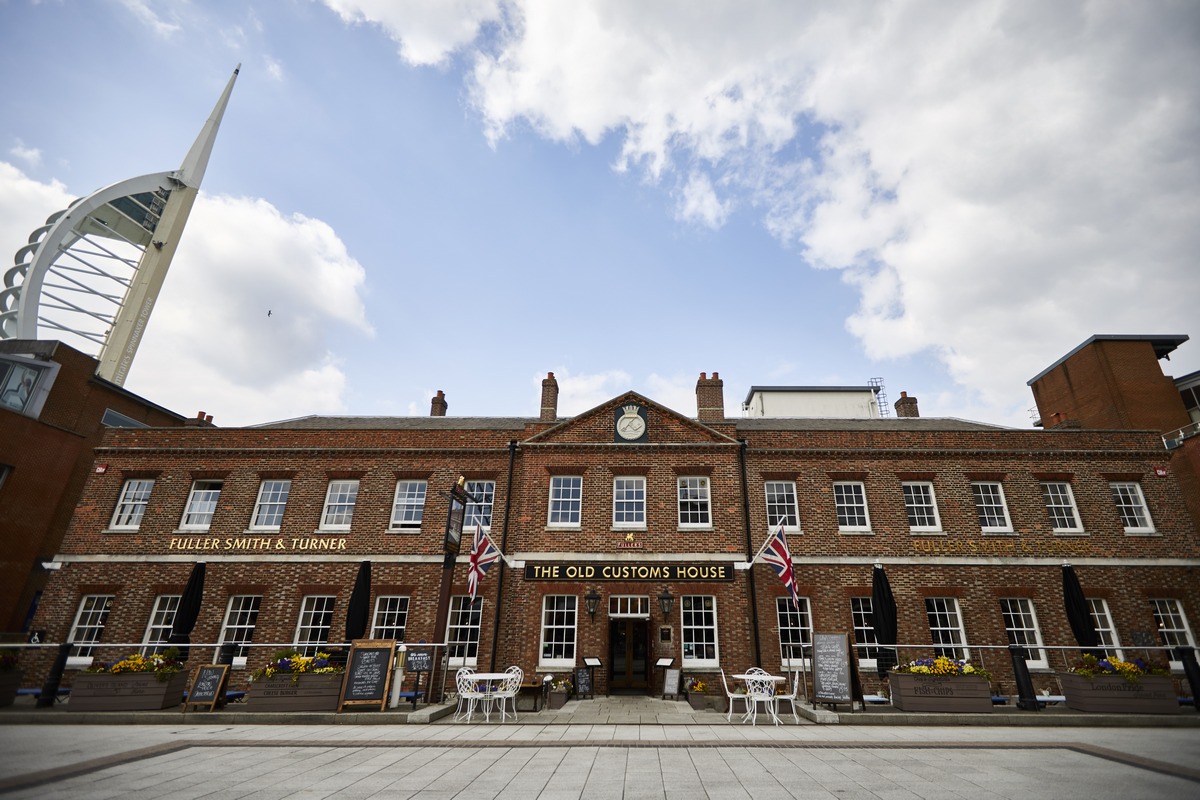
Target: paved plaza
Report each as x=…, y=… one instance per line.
x=592, y=752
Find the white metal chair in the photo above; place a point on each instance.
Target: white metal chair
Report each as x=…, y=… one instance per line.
x=760, y=690
x=729, y=697
x=790, y=698
x=508, y=692
x=468, y=695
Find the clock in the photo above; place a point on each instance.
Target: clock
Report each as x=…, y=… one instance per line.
x=631, y=424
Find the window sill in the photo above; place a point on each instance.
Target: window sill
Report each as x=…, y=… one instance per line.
x=628, y=529
x=1142, y=533
x=1071, y=534
x=856, y=531
x=998, y=533
x=321, y=531
x=120, y=531
x=695, y=529
x=918, y=532
x=403, y=531
x=562, y=528
x=191, y=531
x=260, y=532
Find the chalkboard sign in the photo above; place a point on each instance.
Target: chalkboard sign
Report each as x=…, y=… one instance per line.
x=368, y=673
x=583, y=682
x=418, y=661
x=208, y=686
x=671, y=683
x=831, y=668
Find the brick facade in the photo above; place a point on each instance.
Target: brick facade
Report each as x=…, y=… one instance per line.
x=734, y=457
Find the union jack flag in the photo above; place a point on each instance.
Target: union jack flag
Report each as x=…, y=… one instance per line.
x=483, y=555
x=775, y=552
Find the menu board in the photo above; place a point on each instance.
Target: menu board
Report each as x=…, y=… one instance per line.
x=208, y=686
x=671, y=683
x=368, y=673
x=831, y=668
x=418, y=661
x=583, y=681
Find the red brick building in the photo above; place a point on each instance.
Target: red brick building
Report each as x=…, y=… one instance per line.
x=607, y=516
x=53, y=411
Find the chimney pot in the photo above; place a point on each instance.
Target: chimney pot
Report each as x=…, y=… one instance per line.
x=208, y=418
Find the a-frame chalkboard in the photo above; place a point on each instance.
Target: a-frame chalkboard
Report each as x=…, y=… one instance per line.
x=207, y=687
x=368, y=673
x=831, y=669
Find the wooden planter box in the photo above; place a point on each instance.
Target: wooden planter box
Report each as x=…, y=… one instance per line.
x=558, y=699
x=9, y=683
x=697, y=700
x=946, y=693
x=307, y=693
x=125, y=691
x=1150, y=694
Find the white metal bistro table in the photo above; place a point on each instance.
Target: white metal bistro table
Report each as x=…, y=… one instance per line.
x=491, y=683
x=751, y=706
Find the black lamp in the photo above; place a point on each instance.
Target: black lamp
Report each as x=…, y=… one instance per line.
x=665, y=602
x=591, y=600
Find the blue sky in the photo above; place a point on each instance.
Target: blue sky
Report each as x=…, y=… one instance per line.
x=466, y=195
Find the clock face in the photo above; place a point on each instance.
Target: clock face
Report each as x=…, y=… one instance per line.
x=631, y=425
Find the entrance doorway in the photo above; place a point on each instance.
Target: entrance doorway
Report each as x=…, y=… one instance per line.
x=628, y=652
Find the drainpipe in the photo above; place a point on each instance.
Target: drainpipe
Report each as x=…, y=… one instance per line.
x=749, y=549
x=512, y=455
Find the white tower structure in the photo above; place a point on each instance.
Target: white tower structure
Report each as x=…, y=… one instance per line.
x=91, y=275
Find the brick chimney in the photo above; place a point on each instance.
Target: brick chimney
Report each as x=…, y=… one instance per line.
x=549, y=398
x=439, y=405
x=201, y=420
x=907, y=406
x=710, y=398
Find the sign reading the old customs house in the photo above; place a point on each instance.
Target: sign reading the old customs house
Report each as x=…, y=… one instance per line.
x=628, y=572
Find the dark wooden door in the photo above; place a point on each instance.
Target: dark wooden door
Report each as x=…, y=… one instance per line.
x=629, y=655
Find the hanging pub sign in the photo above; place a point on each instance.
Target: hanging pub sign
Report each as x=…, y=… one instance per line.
x=629, y=571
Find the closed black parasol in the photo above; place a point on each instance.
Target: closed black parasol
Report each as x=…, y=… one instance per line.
x=358, y=610
x=883, y=618
x=188, y=611
x=1079, y=612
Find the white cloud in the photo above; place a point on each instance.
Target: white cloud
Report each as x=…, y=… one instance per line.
x=998, y=180
x=147, y=16
x=211, y=344
x=30, y=155
x=427, y=31
x=580, y=393
x=273, y=68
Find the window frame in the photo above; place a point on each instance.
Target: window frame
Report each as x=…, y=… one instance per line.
x=930, y=504
x=308, y=645
x=233, y=627
x=565, y=502
x=865, y=641
x=782, y=505
x=983, y=506
x=480, y=513
x=703, y=621
x=942, y=642
x=130, y=511
x=407, y=513
x=463, y=636
x=1020, y=625
x=272, y=507
x=201, y=504
x=340, y=506
x=383, y=619
x=159, y=624
x=1179, y=634
x=785, y=614
x=82, y=649
x=839, y=503
x=1132, y=511
x=565, y=621
x=636, y=504
x=693, y=494
x=1106, y=629
x=1060, y=507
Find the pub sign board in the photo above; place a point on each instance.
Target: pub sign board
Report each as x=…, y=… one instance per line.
x=368, y=673
x=628, y=571
x=207, y=686
x=418, y=661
